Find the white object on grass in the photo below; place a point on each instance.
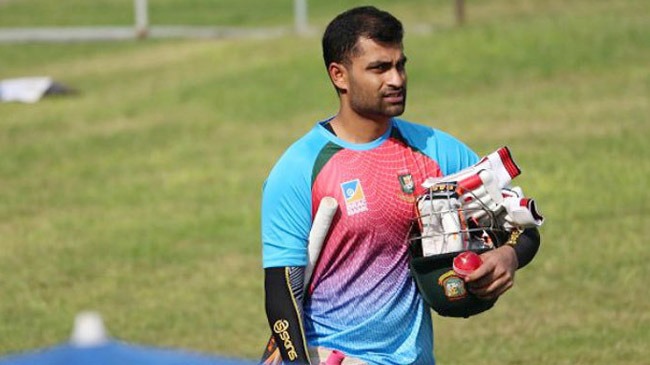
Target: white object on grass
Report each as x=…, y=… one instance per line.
x=24, y=89
x=89, y=330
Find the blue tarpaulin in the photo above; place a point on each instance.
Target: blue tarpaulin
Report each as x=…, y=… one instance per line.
x=115, y=353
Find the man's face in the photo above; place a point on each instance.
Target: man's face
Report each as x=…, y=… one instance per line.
x=377, y=79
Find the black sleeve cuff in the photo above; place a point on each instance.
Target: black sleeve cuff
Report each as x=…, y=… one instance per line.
x=526, y=246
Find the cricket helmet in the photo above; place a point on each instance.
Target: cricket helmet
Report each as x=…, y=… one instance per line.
x=443, y=228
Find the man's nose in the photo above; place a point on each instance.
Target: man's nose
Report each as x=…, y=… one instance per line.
x=396, y=78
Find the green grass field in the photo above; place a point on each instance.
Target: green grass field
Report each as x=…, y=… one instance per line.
x=140, y=197
x=197, y=12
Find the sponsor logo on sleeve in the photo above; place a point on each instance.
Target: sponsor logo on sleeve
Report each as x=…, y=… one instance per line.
x=281, y=328
x=355, y=200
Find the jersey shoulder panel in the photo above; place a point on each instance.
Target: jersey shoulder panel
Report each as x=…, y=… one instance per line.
x=286, y=203
x=451, y=154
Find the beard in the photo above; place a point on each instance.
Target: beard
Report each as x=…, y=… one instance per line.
x=375, y=104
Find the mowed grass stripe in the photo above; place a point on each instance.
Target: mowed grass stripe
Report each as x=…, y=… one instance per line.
x=140, y=197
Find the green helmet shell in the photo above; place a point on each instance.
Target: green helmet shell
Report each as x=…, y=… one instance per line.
x=441, y=288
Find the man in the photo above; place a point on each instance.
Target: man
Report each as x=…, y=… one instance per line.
x=361, y=300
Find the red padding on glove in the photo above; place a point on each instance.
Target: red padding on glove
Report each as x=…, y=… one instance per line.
x=469, y=184
x=508, y=162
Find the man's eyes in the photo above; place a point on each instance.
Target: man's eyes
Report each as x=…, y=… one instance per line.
x=383, y=67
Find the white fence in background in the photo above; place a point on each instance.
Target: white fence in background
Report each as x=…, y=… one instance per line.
x=142, y=29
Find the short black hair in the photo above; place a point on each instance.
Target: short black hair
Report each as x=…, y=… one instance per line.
x=343, y=32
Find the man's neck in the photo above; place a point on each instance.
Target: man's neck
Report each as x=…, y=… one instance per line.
x=355, y=128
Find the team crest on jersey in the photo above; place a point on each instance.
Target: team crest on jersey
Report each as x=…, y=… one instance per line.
x=406, y=181
x=355, y=201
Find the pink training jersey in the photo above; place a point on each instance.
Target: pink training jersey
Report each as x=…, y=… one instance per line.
x=361, y=299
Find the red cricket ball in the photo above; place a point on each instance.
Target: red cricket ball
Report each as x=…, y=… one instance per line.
x=466, y=262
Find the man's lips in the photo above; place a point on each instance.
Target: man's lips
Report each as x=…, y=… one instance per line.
x=394, y=97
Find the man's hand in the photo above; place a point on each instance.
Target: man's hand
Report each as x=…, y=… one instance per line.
x=496, y=275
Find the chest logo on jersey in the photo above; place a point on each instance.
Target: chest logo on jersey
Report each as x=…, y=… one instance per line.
x=406, y=181
x=355, y=200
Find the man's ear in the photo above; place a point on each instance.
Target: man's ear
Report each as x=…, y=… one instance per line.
x=339, y=75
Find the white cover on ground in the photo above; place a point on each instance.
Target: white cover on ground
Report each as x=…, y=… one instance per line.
x=89, y=330
x=24, y=89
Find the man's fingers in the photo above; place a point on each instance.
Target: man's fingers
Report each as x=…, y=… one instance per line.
x=493, y=278
x=495, y=288
x=495, y=294
x=486, y=290
x=483, y=281
x=481, y=272
x=503, y=281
